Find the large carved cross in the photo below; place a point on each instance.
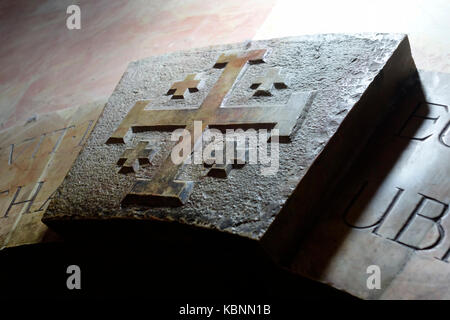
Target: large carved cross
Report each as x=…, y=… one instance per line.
x=164, y=189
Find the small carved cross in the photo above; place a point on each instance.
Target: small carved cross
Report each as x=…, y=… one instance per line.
x=222, y=170
x=165, y=188
x=179, y=88
x=265, y=84
x=131, y=159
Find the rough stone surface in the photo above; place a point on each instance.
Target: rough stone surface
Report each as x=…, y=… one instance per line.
x=337, y=68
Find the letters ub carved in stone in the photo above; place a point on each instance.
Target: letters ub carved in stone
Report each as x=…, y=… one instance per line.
x=163, y=189
x=412, y=220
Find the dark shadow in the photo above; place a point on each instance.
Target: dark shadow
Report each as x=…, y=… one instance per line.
x=129, y=259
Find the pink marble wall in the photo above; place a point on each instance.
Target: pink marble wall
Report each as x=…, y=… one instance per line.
x=46, y=67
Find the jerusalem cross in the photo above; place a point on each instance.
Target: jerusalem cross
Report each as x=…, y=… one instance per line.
x=164, y=189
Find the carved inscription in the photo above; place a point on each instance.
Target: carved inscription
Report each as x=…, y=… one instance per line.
x=34, y=160
x=29, y=202
x=27, y=150
x=408, y=219
x=408, y=216
x=45, y=144
x=420, y=124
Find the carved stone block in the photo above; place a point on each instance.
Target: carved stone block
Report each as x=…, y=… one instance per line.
x=340, y=87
